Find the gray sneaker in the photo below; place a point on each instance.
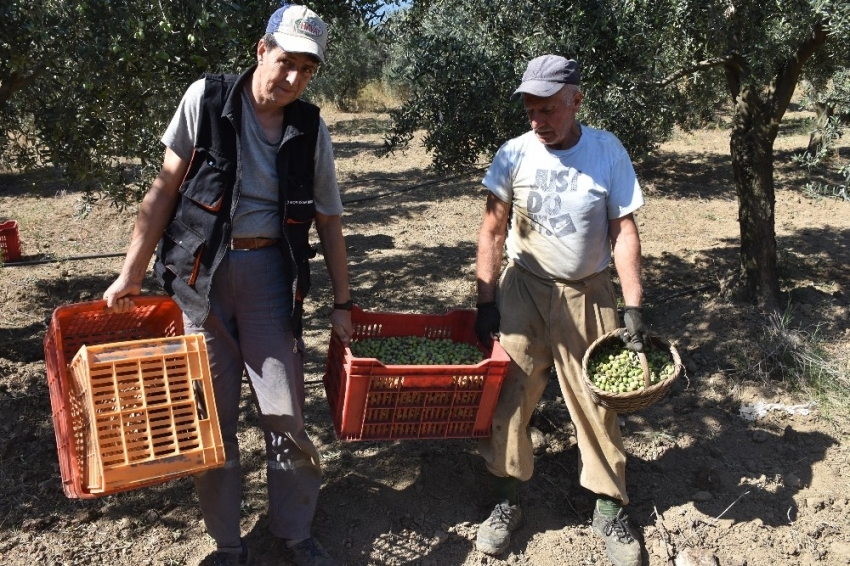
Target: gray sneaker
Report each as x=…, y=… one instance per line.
x=308, y=552
x=620, y=538
x=494, y=534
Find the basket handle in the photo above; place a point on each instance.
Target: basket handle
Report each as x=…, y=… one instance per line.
x=647, y=374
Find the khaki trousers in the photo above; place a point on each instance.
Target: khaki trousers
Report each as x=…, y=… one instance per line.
x=546, y=323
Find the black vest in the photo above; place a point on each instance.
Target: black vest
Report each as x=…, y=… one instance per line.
x=198, y=235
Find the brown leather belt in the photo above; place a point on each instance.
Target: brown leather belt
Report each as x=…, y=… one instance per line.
x=251, y=243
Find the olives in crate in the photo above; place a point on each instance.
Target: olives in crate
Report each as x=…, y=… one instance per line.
x=417, y=350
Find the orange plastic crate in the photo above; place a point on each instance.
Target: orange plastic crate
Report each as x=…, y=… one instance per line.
x=373, y=401
x=76, y=325
x=143, y=412
x=10, y=245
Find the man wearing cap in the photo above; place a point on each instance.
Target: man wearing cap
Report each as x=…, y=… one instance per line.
x=248, y=168
x=561, y=202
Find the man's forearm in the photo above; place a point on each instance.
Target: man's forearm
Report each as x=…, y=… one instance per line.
x=154, y=215
x=627, y=260
x=491, y=247
x=489, y=264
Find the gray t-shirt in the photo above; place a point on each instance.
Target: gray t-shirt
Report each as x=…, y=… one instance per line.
x=256, y=212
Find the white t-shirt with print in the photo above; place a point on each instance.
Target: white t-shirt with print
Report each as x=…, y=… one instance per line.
x=562, y=200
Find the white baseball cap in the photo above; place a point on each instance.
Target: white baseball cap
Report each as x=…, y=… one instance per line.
x=298, y=29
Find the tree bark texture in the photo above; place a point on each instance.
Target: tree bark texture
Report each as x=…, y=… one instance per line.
x=752, y=165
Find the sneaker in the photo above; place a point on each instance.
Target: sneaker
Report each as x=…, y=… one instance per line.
x=308, y=552
x=494, y=534
x=221, y=558
x=620, y=538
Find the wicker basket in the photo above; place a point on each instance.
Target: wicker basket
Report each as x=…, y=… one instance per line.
x=631, y=401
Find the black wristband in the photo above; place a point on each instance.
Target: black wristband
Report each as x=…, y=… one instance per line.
x=346, y=306
x=487, y=304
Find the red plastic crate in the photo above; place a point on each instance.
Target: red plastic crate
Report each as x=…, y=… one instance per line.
x=10, y=245
x=143, y=412
x=373, y=401
x=76, y=325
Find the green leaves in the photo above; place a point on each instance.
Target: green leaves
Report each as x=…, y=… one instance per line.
x=90, y=86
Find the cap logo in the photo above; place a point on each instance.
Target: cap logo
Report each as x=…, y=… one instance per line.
x=308, y=28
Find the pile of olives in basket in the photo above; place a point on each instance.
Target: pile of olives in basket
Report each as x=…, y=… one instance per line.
x=615, y=369
x=416, y=350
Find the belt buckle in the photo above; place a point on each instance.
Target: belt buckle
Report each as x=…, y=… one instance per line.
x=234, y=247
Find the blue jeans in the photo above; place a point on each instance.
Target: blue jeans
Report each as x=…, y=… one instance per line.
x=249, y=329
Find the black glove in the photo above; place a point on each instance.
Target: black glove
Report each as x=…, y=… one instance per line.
x=487, y=321
x=636, y=335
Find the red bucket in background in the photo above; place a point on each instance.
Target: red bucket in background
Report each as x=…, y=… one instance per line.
x=10, y=244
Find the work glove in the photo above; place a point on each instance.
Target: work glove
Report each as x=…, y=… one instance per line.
x=487, y=321
x=636, y=335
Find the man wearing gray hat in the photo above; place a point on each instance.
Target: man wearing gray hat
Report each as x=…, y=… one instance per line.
x=248, y=169
x=561, y=204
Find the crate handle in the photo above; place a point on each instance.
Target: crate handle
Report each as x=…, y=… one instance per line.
x=200, y=400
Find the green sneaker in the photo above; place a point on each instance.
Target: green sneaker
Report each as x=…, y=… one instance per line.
x=494, y=534
x=621, y=541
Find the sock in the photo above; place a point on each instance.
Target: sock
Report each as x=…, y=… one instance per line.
x=506, y=488
x=292, y=542
x=608, y=506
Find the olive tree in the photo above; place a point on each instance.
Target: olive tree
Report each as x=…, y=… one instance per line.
x=647, y=65
x=89, y=86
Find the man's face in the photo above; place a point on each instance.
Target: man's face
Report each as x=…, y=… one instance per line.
x=553, y=117
x=282, y=76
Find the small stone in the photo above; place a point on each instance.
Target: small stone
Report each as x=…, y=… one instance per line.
x=696, y=557
x=702, y=496
x=760, y=436
x=151, y=516
x=792, y=480
x=538, y=440
x=440, y=537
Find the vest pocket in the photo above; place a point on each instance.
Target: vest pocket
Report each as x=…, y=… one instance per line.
x=182, y=250
x=209, y=175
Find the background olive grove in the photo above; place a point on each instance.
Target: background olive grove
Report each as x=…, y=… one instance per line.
x=88, y=87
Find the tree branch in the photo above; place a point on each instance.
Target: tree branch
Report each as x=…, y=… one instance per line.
x=786, y=80
x=701, y=66
x=15, y=82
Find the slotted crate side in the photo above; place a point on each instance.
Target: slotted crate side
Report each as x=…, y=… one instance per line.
x=88, y=323
x=10, y=244
x=369, y=400
x=149, y=412
x=456, y=325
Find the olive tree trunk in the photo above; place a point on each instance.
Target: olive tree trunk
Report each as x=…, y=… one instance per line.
x=758, y=112
x=752, y=165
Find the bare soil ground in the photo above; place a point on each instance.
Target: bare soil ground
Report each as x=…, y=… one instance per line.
x=704, y=480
